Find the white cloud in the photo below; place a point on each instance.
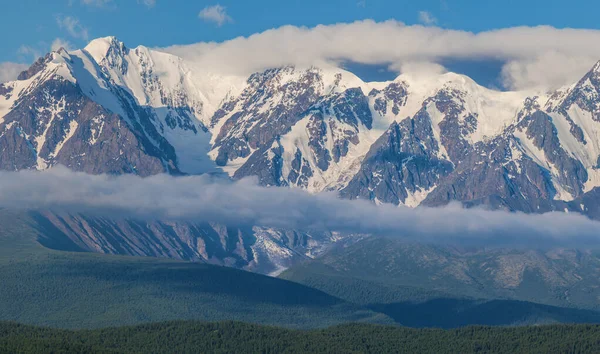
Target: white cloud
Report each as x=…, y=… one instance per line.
x=72, y=26
x=427, y=18
x=553, y=68
x=244, y=203
x=60, y=43
x=419, y=68
x=216, y=14
x=9, y=71
x=562, y=55
x=147, y=3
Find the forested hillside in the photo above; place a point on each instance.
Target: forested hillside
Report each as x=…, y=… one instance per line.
x=234, y=337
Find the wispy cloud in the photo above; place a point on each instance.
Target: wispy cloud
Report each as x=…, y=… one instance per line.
x=147, y=3
x=29, y=51
x=426, y=18
x=244, y=203
x=72, y=26
x=444, y=5
x=216, y=14
x=9, y=71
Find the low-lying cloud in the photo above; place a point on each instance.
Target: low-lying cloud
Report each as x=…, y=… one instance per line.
x=244, y=203
x=535, y=57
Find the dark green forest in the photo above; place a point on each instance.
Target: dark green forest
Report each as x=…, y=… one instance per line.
x=235, y=337
x=40, y=286
x=85, y=290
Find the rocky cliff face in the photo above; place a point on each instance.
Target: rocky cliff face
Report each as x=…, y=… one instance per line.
x=55, y=123
x=292, y=126
x=402, y=164
x=417, y=140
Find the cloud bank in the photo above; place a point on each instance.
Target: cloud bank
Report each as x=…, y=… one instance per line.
x=244, y=203
x=534, y=57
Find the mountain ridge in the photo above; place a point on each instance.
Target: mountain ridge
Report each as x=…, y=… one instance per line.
x=112, y=57
x=422, y=139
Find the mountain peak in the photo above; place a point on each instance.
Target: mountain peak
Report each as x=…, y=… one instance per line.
x=99, y=48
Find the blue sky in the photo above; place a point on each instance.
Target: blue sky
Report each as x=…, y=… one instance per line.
x=30, y=26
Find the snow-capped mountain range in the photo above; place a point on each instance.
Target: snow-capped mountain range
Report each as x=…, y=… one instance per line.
x=424, y=139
